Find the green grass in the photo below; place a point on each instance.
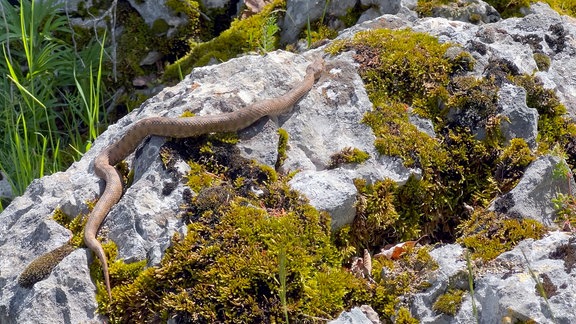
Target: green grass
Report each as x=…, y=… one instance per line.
x=50, y=92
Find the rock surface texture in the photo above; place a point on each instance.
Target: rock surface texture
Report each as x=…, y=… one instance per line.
x=325, y=121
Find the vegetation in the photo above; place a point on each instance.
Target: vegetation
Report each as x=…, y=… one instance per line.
x=506, y=8
x=50, y=93
x=450, y=302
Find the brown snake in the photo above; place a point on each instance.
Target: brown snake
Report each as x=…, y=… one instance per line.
x=178, y=128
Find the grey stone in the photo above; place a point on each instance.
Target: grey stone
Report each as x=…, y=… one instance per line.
x=470, y=11
x=451, y=273
x=5, y=187
x=512, y=292
x=532, y=196
x=519, y=120
x=357, y=315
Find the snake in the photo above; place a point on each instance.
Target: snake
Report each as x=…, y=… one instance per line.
x=178, y=128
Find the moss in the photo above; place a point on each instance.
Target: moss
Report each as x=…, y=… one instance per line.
x=488, y=234
x=321, y=33
x=404, y=317
x=352, y=15
x=225, y=268
x=348, y=155
x=119, y=271
x=450, y=302
x=159, y=26
x=542, y=61
x=282, y=148
x=40, y=268
x=394, y=279
x=242, y=36
x=424, y=8
x=512, y=163
x=75, y=225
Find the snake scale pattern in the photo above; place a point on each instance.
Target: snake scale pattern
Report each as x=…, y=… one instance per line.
x=178, y=128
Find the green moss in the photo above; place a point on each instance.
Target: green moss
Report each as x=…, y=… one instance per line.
x=404, y=317
x=321, y=33
x=424, y=7
x=75, y=225
x=119, y=271
x=242, y=36
x=542, y=61
x=282, y=148
x=348, y=155
x=159, y=26
x=489, y=234
x=450, y=302
x=394, y=279
x=512, y=163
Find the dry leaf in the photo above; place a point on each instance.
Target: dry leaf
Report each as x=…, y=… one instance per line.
x=367, y=261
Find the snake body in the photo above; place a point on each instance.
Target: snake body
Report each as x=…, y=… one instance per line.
x=177, y=128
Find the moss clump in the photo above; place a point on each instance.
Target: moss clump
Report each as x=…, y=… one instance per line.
x=425, y=7
x=282, y=148
x=242, y=36
x=119, y=271
x=450, y=302
x=394, y=279
x=404, y=317
x=542, y=61
x=75, y=225
x=488, y=234
x=227, y=266
x=40, y=268
x=348, y=155
x=512, y=163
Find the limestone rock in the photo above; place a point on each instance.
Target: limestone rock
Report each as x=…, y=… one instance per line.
x=357, y=315
x=532, y=196
x=451, y=273
x=520, y=120
x=471, y=11
x=5, y=187
x=512, y=292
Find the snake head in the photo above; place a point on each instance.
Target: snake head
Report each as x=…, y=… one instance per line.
x=316, y=68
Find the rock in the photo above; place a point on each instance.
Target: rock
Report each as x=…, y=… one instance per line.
x=451, y=273
x=519, y=120
x=152, y=11
x=510, y=292
x=299, y=12
x=357, y=315
x=532, y=196
x=470, y=11
x=5, y=187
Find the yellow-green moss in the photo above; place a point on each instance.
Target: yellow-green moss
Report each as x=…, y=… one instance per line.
x=242, y=36
x=489, y=234
x=424, y=7
x=348, y=155
x=542, y=61
x=75, y=225
x=282, y=147
x=403, y=316
x=393, y=279
x=450, y=302
x=512, y=163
